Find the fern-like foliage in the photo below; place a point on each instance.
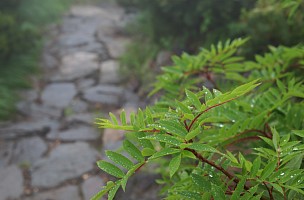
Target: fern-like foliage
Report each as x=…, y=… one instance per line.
x=241, y=140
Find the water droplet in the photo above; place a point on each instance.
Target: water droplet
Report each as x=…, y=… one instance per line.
x=233, y=121
x=291, y=176
x=210, y=175
x=221, y=125
x=251, y=105
x=295, y=149
x=282, y=174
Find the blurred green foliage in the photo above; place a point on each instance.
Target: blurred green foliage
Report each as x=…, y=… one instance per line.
x=22, y=25
x=270, y=23
x=187, y=24
x=183, y=25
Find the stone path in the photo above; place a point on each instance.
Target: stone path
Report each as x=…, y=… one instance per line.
x=51, y=151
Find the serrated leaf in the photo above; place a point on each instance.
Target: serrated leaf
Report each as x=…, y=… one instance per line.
x=275, y=138
x=255, y=167
x=164, y=138
x=183, y=107
x=147, y=152
x=190, y=195
x=201, y=182
x=217, y=192
x=174, y=164
x=130, y=173
x=173, y=127
x=231, y=157
x=123, y=117
x=239, y=188
x=113, y=191
x=299, y=133
x=203, y=147
x=269, y=168
x=119, y=159
x=208, y=94
x=281, y=86
x=110, y=169
x=193, y=133
x=113, y=118
x=133, y=151
x=164, y=152
x=193, y=99
x=277, y=187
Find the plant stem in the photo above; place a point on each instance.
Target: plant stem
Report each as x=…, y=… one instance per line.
x=269, y=191
x=206, y=110
x=209, y=162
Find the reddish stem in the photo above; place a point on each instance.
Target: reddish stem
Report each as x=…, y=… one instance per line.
x=206, y=110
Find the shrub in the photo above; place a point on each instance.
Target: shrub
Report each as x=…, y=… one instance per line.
x=186, y=24
x=245, y=142
x=270, y=23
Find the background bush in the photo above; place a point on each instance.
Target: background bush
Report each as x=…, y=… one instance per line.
x=21, y=39
x=183, y=25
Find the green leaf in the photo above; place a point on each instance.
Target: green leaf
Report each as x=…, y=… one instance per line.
x=218, y=192
x=203, y=147
x=173, y=127
x=123, y=117
x=133, y=151
x=164, y=138
x=130, y=173
x=193, y=133
x=113, y=117
x=239, y=188
x=208, y=94
x=201, y=182
x=255, y=167
x=113, y=191
x=190, y=195
x=110, y=168
x=164, y=152
x=277, y=187
x=193, y=99
x=174, y=164
x=281, y=86
x=147, y=152
x=299, y=133
x=119, y=159
x=275, y=138
x=269, y=168
x=184, y=108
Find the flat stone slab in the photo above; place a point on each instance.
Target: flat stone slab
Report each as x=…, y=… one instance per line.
x=75, y=134
x=78, y=106
x=58, y=95
x=6, y=152
x=65, y=162
x=111, y=12
x=35, y=110
x=11, y=184
x=27, y=128
x=109, y=72
x=77, y=65
x=29, y=150
x=86, y=118
x=117, y=46
x=105, y=94
x=75, y=39
x=64, y=193
x=91, y=186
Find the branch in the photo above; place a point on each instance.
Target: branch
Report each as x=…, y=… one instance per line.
x=269, y=191
x=206, y=110
x=209, y=162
